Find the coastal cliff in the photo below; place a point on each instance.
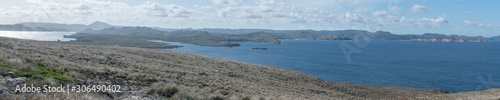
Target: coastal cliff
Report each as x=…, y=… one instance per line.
x=448, y=40
x=434, y=37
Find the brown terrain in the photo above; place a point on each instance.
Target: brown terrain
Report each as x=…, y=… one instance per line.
x=163, y=74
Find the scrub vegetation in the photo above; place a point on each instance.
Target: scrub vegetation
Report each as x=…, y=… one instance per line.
x=163, y=74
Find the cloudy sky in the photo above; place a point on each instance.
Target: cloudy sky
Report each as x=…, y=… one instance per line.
x=461, y=17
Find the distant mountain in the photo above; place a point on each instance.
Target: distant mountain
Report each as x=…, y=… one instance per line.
x=166, y=29
x=98, y=25
x=495, y=38
x=19, y=27
x=234, y=31
x=55, y=26
x=41, y=26
x=205, y=38
x=131, y=31
x=226, y=30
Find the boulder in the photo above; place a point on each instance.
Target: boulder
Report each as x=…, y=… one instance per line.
x=14, y=81
x=4, y=90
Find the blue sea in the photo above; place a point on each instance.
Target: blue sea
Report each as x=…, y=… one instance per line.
x=453, y=67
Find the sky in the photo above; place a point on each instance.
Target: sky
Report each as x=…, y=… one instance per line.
x=460, y=17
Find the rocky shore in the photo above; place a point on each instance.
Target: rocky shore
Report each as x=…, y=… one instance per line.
x=448, y=40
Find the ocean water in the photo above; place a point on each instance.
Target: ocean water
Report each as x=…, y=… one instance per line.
x=454, y=67
x=36, y=35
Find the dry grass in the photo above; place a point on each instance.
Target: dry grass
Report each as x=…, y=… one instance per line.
x=162, y=89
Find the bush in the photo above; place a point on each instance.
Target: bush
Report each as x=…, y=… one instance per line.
x=246, y=98
x=77, y=75
x=162, y=89
x=42, y=81
x=440, y=91
x=186, y=97
x=217, y=98
x=2, y=64
x=7, y=45
x=42, y=71
x=168, y=92
x=5, y=69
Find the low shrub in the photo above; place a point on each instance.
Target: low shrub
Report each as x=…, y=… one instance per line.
x=217, y=98
x=42, y=71
x=7, y=45
x=246, y=98
x=186, y=97
x=162, y=89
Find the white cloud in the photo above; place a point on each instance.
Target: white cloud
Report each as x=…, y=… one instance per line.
x=226, y=2
x=84, y=7
x=362, y=10
x=355, y=18
x=353, y=2
x=161, y=10
x=480, y=24
x=467, y=12
x=392, y=20
x=155, y=9
x=269, y=5
x=69, y=11
x=419, y=8
x=429, y=22
x=264, y=10
x=88, y=11
x=394, y=9
x=225, y=13
x=380, y=13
